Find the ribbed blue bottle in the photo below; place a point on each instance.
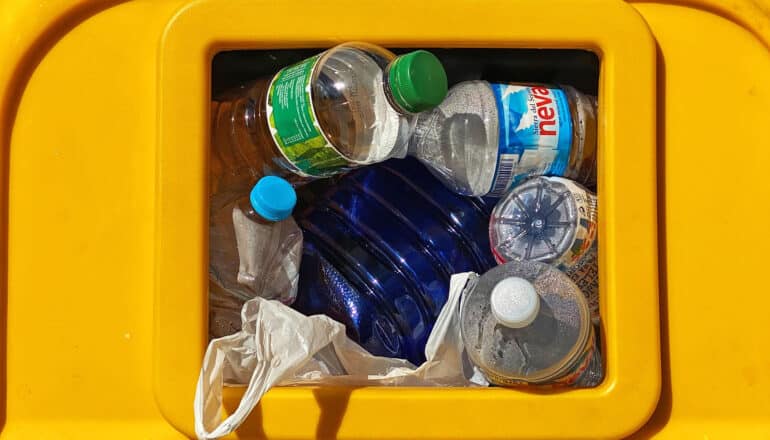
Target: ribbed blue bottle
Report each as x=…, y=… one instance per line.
x=380, y=246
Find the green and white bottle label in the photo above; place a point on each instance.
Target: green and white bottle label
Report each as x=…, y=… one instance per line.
x=294, y=125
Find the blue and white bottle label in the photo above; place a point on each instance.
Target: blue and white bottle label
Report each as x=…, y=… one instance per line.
x=535, y=134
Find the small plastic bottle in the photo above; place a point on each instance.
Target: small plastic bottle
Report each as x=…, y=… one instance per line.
x=255, y=249
x=352, y=105
x=486, y=137
x=526, y=323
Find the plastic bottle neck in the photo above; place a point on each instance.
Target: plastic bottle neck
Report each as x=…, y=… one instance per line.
x=245, y=206
x=386, y=86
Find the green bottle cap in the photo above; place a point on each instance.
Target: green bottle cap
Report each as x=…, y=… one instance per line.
x=417, y=81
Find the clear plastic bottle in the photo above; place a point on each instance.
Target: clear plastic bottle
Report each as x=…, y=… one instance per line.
x=553, y=220
x=485, y=137
x=525, y=322
x=352, y=105
x=255, y=249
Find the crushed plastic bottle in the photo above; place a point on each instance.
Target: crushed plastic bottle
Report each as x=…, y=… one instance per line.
x=486, y=137
x=553, y=220
x=255, y=249
x=527, y=323
x=352, y=105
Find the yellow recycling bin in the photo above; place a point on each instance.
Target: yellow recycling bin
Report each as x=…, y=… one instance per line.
x=104, y=135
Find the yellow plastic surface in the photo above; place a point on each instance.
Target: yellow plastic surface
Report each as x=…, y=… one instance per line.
x=626, y=184
x=103, y=129
x=714, y=148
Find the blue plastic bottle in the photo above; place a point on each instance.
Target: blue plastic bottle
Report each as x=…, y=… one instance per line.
x=381, y=245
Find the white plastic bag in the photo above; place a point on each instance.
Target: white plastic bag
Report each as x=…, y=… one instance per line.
x=278, y=345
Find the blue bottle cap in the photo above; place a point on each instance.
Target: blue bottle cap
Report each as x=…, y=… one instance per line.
x=273, y=198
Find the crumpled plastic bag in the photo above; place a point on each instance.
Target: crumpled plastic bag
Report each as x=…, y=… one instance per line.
x=278, y=345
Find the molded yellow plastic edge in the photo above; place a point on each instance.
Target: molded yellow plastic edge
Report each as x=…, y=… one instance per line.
x=29, y=31
x=627, y=176
x=752, y=15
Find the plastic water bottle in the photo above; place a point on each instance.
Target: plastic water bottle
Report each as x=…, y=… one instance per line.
x=352, y=105
x=525, y=322
x=553, y=220
x=255, y=249
x=381, y=244
x=486, y=137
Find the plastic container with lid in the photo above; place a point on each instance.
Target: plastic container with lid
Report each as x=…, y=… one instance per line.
x=525, y=322
x=354, y=104
x=255, y=249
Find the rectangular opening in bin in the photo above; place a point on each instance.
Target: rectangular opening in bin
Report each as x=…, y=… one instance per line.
x=579, y=68
x=625, y=58
x=232, y=70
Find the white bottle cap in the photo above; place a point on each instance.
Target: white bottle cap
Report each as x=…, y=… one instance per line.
x=514, y=302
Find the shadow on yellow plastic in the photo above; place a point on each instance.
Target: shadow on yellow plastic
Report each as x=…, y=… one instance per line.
x=627, y=191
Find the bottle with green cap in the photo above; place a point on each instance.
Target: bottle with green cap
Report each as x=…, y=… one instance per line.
x=255, y=249
x=352, y=105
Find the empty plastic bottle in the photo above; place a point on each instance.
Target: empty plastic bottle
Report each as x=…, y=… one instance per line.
x=255, y=249
x=525, y=322
x=486, y=137
x=553, y=220
x=352, y=105
x=381, y=244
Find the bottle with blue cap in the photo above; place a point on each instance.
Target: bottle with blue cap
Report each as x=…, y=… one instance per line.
x=527, y=323
x=255, y=249
x=355, y=104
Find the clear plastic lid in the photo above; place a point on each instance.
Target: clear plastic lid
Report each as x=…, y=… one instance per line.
x=537, y=221
x=545, y=340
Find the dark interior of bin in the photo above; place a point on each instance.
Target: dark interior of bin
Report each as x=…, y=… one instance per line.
x=577, y=68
